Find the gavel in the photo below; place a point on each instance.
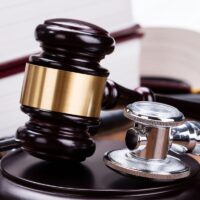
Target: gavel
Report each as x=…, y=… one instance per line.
x=65, y=88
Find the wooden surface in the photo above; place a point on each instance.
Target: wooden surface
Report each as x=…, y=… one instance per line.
x=23, y=174
x=197, y=158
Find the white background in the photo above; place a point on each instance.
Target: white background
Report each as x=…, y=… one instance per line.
x=174, y=13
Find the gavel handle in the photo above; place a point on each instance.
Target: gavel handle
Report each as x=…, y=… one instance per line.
x=117, y=96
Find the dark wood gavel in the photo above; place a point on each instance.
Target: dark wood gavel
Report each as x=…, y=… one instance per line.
x=65, y=89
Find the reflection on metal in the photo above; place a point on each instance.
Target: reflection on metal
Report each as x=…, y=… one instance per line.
x=151, y=137
x=62, y=91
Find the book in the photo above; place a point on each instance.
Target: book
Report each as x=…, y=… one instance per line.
x=171, y=52
x=20, y=17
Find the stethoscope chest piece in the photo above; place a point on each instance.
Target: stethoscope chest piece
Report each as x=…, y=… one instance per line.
x=153, y=122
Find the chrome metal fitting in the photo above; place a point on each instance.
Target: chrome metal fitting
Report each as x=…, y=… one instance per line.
x=149, y=144
x=187, y=136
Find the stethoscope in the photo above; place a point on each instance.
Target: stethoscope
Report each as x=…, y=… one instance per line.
x=157, y=128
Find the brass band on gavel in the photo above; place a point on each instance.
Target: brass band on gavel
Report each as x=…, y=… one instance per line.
x=62, y=91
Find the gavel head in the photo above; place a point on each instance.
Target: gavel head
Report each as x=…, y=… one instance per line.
x=63, y=88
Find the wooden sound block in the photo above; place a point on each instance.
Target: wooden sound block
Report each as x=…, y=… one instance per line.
x=25, y=177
